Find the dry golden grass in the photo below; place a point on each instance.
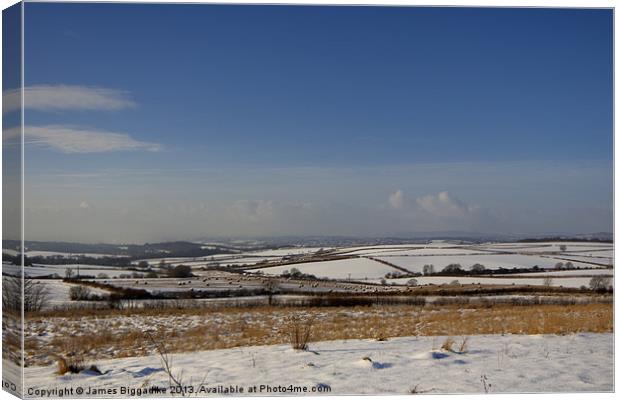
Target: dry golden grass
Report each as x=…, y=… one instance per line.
x=12, y=338
x=268, y=325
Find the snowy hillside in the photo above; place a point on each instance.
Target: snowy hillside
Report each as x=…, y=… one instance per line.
x=493, y=363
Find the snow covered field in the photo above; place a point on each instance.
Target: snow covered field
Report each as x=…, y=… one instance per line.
x=413, y=257
x=59, y=291
x=574, y=282
x=491, y=363
x=573, y=272
x=493, y=261
x=45, y=270
x=353, y=268
x=287, y=251
x=37, y=253
x=547, y=247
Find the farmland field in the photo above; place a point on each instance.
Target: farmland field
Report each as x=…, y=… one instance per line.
x=370, y=308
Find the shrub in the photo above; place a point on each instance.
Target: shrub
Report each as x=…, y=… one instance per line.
x=79, y=292
x=600, y=283
x=296, y=274
x=478, y=268
x=75, y=365
x=180, y=271
x=299, y=331
x=428, y=269
x=102, y=276
x=453, y=269
x=447, y=344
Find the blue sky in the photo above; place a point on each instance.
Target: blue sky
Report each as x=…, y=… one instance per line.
x=182, y=121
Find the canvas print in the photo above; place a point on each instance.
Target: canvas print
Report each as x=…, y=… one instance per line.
x=250, y=200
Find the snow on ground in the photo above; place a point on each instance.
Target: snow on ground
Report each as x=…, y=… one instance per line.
x=248, y=260
x=491, y=261
x=574, y=272
x=59, y=291
x=353, y=268
x=183, y=260
x=417, y=251
x=595, y=254
x=581, y=252
x=548, y=246
x=574, y=282
x=287, y=252
x=511, y=363
x=588, y=259
x=237, y=258
x=429, y=251
x=44, y=270
x=62, y=254
x=434, y=243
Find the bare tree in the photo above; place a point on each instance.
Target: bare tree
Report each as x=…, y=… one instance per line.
x=600, y=283
x=35, y=294
x=428, y=269
x=271, y=287
x=79, y=292
x=548, y=281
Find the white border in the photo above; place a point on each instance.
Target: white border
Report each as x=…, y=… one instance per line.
x=436, y=3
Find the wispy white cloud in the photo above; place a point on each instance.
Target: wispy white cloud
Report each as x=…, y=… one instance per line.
x=445, y=211
x=397, y=199
x=66, y=97
x=69, y=139
x=444, y=205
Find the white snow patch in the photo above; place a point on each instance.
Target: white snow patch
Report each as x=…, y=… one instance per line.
x=511, y=363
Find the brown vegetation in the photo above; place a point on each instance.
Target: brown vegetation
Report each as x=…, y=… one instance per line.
x=204, y=329
x=299, y=329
